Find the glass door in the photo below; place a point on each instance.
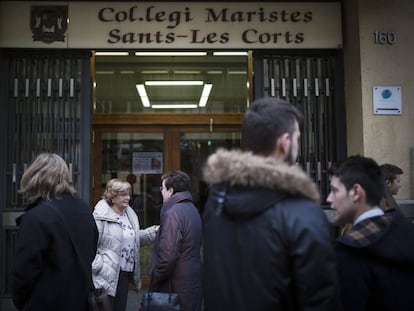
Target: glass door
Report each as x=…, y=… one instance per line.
x=139, y=159
x=195, y=147
x=140, y=155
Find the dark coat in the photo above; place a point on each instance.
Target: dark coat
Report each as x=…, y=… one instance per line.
x=376, y=264
x=47, y=274
x=267, y=244
x=177, y=251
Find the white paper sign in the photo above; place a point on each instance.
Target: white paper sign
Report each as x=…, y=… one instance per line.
x=147, y=162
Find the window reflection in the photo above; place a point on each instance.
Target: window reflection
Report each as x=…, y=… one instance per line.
x=136, y=158
x=194, y=151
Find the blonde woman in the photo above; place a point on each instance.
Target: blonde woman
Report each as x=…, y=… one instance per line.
x=48, y=274
x=120, y=238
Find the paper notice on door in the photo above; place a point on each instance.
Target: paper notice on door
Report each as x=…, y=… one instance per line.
x=147, y=162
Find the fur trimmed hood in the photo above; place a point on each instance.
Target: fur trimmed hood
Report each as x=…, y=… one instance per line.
x=248, y=170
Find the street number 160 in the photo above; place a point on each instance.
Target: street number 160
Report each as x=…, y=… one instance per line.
x=382, y=37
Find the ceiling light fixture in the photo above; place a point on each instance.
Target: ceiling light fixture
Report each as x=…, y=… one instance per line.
x=105, y=72
x=237, y=72
x=234, y=53
x=143, y=95
x=172, y=83
x=202, y=102
x=152, y=72
x=127, y=72
x=205, y=94
x=170, y=53
x=189, y=72
x=175, y=106
x=111, y=53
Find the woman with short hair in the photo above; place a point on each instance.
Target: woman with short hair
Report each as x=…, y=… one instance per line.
x=117, y=260
x=48, y=274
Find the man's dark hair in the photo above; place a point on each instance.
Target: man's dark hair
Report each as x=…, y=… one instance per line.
x=390, y=171
x=363, y=171
x=267, y=119
x=178, y=180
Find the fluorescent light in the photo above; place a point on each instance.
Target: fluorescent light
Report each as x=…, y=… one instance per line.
x=111, y=53
x=205, y=94
x=127, y=72
x=230, y=53
x=170, y=53
x=237, y=72
x=105, y=72
x=189, y=72
x=215, y=72
x=177, y=106
x=170, y=83
x=202, y=102
x=154, y=71
x=143, y=94
x=206, y=90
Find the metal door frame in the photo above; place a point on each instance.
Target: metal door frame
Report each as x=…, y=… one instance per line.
x=336, y=124
x=85, y=115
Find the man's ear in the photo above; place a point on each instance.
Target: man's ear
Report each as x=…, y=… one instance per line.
x=283, y=144
x=357, y=192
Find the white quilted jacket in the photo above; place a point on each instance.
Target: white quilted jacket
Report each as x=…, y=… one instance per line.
x=106, y=265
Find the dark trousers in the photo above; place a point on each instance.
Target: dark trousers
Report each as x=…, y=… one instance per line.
x=119, y=302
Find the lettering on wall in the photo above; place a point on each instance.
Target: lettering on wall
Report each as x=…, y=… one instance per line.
x=154, y=25
x=173, y=19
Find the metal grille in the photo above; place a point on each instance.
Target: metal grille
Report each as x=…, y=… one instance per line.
x=43, y=107
x=309, y=83
x=44, y=115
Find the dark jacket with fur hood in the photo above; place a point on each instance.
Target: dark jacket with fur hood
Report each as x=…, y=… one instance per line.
x=266, y=241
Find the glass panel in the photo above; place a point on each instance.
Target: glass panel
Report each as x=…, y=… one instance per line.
x=195, y=148
x=131, y=84
x=138, y=159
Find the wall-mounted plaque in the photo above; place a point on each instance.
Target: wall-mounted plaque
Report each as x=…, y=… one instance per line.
x=387, y=100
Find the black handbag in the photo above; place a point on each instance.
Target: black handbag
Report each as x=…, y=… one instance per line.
x=159, y=301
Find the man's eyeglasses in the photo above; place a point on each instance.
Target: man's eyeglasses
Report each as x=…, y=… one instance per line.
x=162, y=188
